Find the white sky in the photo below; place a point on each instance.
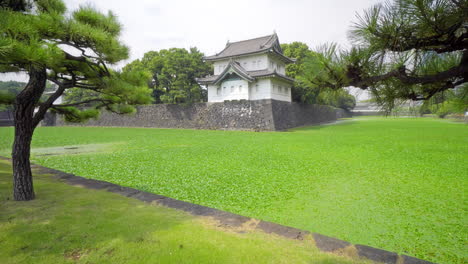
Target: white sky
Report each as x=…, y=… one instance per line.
x=209, y=24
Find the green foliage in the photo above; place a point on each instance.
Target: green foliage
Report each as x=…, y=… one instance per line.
x=344, y=100
x=75, y=115
x=6, y=98
x=448, y=102
x=444, y=109
x=75, y=48
x=391, y=183
x=6, y=101
x=8, y=92
x=101, y=227
x=306, y=74
x=76, y=95
x=12, y=86
x=402, y=50
x=299, y=51
x=173, y=74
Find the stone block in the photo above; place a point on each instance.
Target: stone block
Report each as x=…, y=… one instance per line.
x=376, y=254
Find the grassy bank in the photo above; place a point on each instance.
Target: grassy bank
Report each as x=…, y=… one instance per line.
x=67, y=224
x=397, y=184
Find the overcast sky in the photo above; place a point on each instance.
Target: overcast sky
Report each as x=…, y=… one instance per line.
x=209, y=24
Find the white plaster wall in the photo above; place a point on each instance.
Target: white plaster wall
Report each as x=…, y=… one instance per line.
x=262, y=91
x=250, y=63
x=262, y=62
x=235, y=90
x=219, y=66
x=212, y=96
x=253, y=63
x=274, y=63
x=229, y=90
x=280, y=90
x=267, y=88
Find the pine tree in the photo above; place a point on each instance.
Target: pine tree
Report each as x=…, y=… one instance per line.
x=72, y=50
x=402, y=50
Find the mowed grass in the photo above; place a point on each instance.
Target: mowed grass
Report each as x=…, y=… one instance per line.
x=397, y=184
x=67, y=224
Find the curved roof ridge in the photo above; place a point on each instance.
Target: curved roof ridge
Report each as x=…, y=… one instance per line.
x=252, y=39
x=227, y=46
x=272, y=37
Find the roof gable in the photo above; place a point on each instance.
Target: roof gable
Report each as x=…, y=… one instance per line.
x=250, y=46
x=236, y=68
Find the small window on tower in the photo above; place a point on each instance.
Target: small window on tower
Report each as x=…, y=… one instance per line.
x=232, y=89
x=218, y=91
x=240, y=88
x=256, y=88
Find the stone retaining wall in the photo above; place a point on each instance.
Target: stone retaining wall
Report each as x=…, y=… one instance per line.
x=260, y=115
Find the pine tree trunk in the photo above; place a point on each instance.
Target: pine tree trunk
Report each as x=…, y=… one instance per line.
x=24, y=127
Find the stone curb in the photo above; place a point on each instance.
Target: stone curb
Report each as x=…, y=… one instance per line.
x=322, y=242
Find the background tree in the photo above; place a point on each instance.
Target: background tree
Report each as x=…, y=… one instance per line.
x=298, y=51
x=402, y=50
x=10, y=88
x=71, y=50
x=450, y=102
x=173, y=74
x=305, y=92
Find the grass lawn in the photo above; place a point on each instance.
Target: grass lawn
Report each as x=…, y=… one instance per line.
x=397, y=184
x=68, y=224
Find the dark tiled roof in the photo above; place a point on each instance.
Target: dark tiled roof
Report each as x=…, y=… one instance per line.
x=250, y=46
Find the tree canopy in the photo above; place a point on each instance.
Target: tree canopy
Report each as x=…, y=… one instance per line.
x=173, y=74
x=302, y=90
x=401, y=50
x=72, y=50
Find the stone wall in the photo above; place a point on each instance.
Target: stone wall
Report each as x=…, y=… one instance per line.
x=288, y=115
x=260, y=115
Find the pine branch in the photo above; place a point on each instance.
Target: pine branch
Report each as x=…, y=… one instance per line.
x=85, y=102
x=39, y=115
